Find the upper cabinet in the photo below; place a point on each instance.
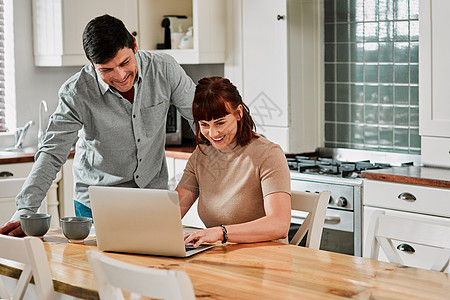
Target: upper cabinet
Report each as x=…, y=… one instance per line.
x=434, y=64
x=278, y=62
x=58, y=26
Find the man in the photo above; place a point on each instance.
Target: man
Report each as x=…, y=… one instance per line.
x=116, y=107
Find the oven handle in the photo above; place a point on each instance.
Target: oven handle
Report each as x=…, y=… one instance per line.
x=328, y=218
x=332, y=219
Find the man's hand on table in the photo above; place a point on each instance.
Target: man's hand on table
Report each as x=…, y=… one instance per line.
x=12, y=229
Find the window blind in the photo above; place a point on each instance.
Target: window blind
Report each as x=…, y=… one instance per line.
x=2, y=68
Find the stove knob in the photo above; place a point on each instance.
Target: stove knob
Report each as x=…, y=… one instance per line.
x=342, y=202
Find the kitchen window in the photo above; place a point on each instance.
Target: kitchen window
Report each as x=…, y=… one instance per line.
x=371, y=75
x=2, y=68
x=7, y=79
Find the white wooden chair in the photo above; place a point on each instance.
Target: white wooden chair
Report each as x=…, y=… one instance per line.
x=29, y=251
x=385, y=230
x=316, y=206
x=113, y=276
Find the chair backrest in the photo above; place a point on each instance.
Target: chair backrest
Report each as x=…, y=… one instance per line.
x=384, y=230
x=113, y=276
x=30, y=252
x=316, y=206
x=9, y=188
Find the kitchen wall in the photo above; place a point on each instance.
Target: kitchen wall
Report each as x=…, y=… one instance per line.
x=371, y=75
x=36, y=83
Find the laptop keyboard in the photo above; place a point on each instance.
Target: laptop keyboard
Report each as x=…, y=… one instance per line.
x=188, y=248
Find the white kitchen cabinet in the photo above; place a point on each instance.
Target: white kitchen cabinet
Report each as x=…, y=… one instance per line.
x=66, y=190
x=58, y=26
x=428, y=200
x=20, y=171
x=209, y=27
x=434, y=100
x=17, y=170
x=418, y=202
x=176, y=167
x=278, y=66
x=14, y=175
x=9, y=188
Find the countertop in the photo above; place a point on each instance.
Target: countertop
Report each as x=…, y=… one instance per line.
x=183, y=152
x=428, y=176
x=252, y=271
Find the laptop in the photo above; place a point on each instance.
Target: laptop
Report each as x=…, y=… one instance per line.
x=142, y=221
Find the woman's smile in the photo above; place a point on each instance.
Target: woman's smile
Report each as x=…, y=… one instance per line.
x=218, y=139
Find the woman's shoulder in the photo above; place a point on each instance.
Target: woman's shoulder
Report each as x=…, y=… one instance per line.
x=201, y=151
x=262, y=144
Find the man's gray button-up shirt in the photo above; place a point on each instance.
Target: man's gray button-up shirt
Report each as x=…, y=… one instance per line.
x=119, y=143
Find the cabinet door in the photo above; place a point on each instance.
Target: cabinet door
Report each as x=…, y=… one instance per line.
x=9, y=188
x=265, y=82
x=407, y=197
x=58, y=27
x=434, y=66
x=66, y=190
x=76, y=14
x=18, y=170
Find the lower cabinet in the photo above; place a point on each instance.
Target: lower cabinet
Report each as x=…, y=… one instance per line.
x=65, y=190
x=13, y=176
x=176, y=167
x=416, y=202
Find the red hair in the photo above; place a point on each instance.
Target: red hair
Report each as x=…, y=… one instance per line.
x=215, y=97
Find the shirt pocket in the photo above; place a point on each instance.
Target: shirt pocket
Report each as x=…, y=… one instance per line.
x=154, y=118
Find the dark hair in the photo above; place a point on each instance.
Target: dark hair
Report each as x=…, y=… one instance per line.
x=215, y=97
x=103, y=37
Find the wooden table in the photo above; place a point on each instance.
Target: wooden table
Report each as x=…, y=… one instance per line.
x=254, y=271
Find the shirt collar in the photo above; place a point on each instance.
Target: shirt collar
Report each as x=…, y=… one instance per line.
x=232, y=147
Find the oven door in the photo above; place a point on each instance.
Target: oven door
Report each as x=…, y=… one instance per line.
x=337, y=235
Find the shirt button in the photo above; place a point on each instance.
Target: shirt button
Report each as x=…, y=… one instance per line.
x=134, y=116
x=139, y=140
x=140, y=159
x=137, y=176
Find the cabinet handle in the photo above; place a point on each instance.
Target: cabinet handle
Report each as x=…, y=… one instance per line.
x=407, y=197
x=332, y=219
x=406, y=248
x=281, y=17
x=6, y=174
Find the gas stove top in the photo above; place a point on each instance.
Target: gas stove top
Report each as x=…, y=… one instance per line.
x=332, y=167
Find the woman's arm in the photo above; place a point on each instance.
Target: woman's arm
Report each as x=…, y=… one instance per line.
x=186, y=198
x=275, y=225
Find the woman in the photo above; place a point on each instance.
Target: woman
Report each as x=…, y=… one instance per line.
x=241, y=179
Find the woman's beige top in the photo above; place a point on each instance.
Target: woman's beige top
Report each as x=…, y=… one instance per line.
x=232, y=183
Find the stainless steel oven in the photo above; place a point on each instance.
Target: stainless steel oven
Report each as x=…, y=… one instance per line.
x=342, y=227
x=338, y=171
